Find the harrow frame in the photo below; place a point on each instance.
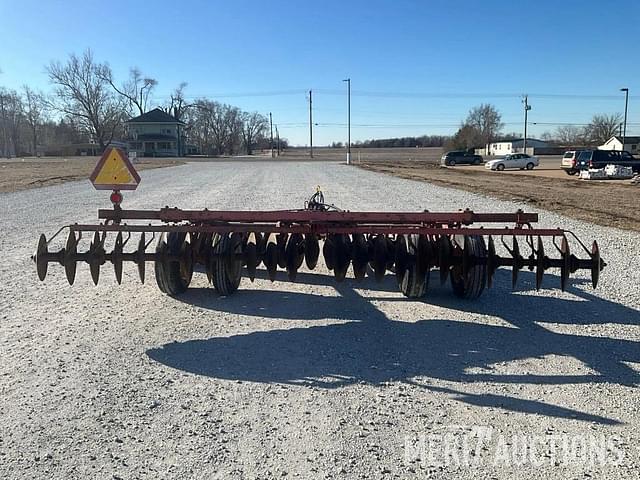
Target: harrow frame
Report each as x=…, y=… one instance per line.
x=410, y=244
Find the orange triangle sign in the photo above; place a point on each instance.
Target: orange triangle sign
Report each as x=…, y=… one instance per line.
x=114, y=172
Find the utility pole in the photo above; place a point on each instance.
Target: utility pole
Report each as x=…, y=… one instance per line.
x=527, y=107
x=271, y=128
x=310, y=125
x=278, y=140
x=626, y=104
x=348, y=80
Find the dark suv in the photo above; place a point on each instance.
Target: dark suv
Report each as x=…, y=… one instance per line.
x=601, y=158
x=458, y=157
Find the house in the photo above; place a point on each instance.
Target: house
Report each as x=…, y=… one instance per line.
x=156, y=134
x=512, y=146
x=631, y=144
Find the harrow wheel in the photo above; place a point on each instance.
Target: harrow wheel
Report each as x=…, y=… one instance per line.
x=171, y=276
x=469, y=282
x=225, y=265
x=415, y=278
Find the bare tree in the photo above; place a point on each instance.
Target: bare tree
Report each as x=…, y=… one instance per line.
x=570, y=135
x=83, y=94
x=486, y=120
x=11, y=118
x=603, y=127
x=177, y=103
x=254, y=126
x=465, y=138
x=34, y=114
x=136, y=91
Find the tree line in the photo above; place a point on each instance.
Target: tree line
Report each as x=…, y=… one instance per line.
x=88, y=105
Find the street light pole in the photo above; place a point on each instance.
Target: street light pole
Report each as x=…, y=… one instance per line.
x=626, y=104
x=527, y=107
x=271, y=136
x=310, y=125
x=348, y=80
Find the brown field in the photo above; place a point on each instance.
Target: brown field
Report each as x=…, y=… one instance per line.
x=22, y=174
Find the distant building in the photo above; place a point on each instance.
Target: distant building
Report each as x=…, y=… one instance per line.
x=156, y=134
x=516, y=145
x=631, y=144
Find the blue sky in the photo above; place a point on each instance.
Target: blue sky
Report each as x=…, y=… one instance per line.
x=417, y=67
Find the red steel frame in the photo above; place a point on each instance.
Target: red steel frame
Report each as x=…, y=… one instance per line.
x=317, y=221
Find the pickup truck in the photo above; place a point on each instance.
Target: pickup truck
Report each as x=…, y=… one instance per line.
x=601, y=158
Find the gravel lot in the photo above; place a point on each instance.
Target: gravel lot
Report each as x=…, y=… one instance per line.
x=312, y=379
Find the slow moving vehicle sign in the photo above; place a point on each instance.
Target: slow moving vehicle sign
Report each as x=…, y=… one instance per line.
x=114, y=172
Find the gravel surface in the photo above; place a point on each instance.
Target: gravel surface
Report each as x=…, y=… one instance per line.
x=313, y=379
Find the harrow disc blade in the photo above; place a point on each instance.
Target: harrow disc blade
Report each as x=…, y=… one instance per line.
x=311, y=250
x=596, y=264
x=328, y=251
x=342, y=256
x=295, y=254
x=70, y=252
x=40, y=257
x=425, y=255
x=282, y=245
x=97, y=256
x=492, y=261
x=271, y=258
x=517, y=262
x=140, y=257
x=541, y=264
x=565, y=268
x=116, y=257
x=380, y=255
x=251, y=256
x=360, y=256
x=401, y=257
x=445, y=249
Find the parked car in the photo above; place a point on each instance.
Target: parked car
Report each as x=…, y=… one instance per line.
x=458, y=157
x=514, y=160
x=569, y=162
x=601, y=158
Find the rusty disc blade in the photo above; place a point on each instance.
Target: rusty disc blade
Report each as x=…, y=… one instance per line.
x=342, y=256
x=401, y=257
x=40, y=257
x=380, y=254
x=271, y=259
x=596, y=264
x=517, y=262
x=311, y=250
x=251, y=256
x=492, y=261
x=293, y=253
x=97, y=257
x=360, y=256
x=140, y=260
x=328, y=251
x=282, y=246
x=70, y=252
x=565, y=269
x=541, y=263
x=444, y=257
x=116, y=257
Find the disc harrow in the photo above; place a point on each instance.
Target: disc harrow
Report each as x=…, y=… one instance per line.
x=460, y=245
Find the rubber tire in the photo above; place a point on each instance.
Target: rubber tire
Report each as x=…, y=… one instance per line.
x=452, y=163
x=571, y=172
x=473, y=285
x=500, y=167
x=477, y=161
x=414, y=283
x=224, y=281
x=168, y=274
x=530, y=166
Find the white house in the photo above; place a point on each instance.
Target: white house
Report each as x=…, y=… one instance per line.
x=512, y=146
x=631, y=144
x=156, y=134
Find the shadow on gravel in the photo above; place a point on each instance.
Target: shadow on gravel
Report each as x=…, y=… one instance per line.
x=371, y=348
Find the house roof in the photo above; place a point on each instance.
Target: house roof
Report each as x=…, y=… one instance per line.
x=155, y=116
x=629, y=139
